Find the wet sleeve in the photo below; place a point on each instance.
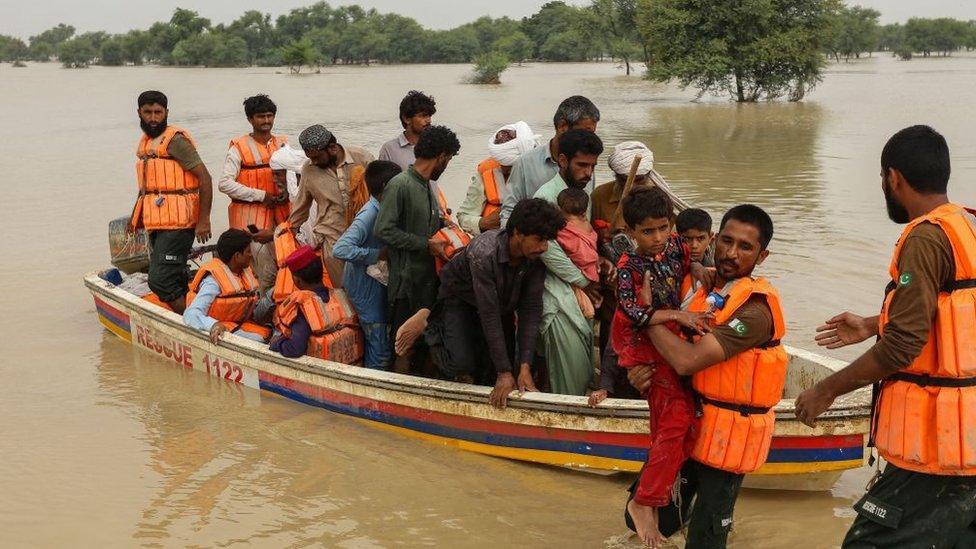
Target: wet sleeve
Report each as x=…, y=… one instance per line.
x=486, y=297
x=924, y=266
x=183, y=151
x=749, y=327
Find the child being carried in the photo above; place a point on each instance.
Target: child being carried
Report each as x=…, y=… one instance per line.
x=578, y=239
x=663, y=259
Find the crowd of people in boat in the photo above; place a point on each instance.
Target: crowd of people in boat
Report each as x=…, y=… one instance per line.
x=334, y=254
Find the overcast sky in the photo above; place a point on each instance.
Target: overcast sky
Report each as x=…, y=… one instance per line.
x=26, y=18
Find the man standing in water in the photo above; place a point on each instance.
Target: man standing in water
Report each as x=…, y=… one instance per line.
x=923, y=363
x=175, y=192
x=737, y=420
x=536, y=167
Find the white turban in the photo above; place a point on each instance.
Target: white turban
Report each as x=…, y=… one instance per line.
x=287, y=158
x=507, y=153
x=623, y=156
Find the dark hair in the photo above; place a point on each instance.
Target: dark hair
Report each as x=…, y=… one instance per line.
x=648, y=202
x=151, y=97
x=535, y=216
x=231, y=242
x=259, y=103
x=755, y=216
x=574, y=110
x=378, y=174
x=435, y=141
x=414, y=103
x=310, y=274
x=574, y=142
x=921, y=154
x=694, y=218
x=573, y=201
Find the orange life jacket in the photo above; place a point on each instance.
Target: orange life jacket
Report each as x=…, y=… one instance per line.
x=256, y=173
x=358, y=192
x=488, y=170
x=687, y=288
x=335, y=330
x=169, y=196
x=237, y=298
x=455, y=238
x=284, y=244
x=738, y=394
x=926, y=413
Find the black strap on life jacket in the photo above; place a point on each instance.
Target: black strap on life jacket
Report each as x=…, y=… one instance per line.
x=966, y=284
x=741, y=408
x=925, y=380
x=254, y=166
x=769, y=344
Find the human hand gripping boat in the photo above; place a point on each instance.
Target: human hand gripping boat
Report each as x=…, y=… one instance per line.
x=536, y=427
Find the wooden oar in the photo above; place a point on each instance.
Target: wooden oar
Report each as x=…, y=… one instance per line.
x=627, y=186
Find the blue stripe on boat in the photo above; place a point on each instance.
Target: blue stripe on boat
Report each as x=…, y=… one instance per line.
x=113, y=318
x=780, y=455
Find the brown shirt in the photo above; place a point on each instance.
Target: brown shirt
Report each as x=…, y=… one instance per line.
x=183, y=152
x=604, y=200
x=925, y=265
x=749, y=327
x=330, y=191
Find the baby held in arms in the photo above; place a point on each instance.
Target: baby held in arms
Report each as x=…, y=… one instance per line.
x=579, y=240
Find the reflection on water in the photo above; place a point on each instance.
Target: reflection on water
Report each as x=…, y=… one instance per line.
x=110, y=447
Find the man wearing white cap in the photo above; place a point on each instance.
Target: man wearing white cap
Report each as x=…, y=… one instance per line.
x=606, y=197
x=481, y=210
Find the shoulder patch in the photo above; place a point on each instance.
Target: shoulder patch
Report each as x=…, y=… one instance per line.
x=905, y=279
x=739, y=326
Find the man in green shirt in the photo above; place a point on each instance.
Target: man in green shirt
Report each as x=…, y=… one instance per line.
x=409, y=216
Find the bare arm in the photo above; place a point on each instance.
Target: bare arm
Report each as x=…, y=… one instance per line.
x=685, y=357
x=206, y=201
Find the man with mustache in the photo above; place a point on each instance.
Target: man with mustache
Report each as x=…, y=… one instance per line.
x=334, y=179
x=737, y=419
x=408, y=218
x=566, y=335
x=175, y=192
x=922, y=364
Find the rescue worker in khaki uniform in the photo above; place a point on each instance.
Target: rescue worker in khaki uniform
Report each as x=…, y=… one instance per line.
x=737, y=420
x=175, y=193
x=924, y=361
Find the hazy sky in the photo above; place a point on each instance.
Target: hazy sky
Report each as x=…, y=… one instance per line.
x=26, y=18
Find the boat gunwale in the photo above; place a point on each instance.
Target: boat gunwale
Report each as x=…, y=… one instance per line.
x=857, y=407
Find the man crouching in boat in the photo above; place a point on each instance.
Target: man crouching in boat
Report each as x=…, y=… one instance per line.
x=224, y=291
x=736, y=425
x=923, y=361
x=472, y=331
x=314, y=320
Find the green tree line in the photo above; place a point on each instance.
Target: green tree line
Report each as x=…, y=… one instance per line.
x=324, y=35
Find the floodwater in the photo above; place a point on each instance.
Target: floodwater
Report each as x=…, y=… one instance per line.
x=105, y=446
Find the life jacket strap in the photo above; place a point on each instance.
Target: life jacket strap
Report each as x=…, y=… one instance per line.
x=925, y=380
x=741, y=408
x=769, y=344
x=181, y=191
x=961, y=284
x=254, y=166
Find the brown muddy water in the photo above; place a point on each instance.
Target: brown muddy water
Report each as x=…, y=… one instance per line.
x=105, y=446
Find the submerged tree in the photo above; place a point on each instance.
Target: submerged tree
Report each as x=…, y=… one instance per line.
x=617, y=23
x=488, y=68
x=854, y=32
x=298, y=54
x=77, y=53
x=748, y=49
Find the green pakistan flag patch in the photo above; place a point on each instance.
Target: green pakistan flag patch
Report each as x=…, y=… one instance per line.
x=905, y=279
x=739, y=326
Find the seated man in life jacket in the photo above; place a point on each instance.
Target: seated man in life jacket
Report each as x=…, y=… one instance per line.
x=481, y=209
x=315, y=320
x=224, y=291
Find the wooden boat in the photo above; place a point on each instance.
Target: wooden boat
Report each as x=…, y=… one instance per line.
x=537, y=427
